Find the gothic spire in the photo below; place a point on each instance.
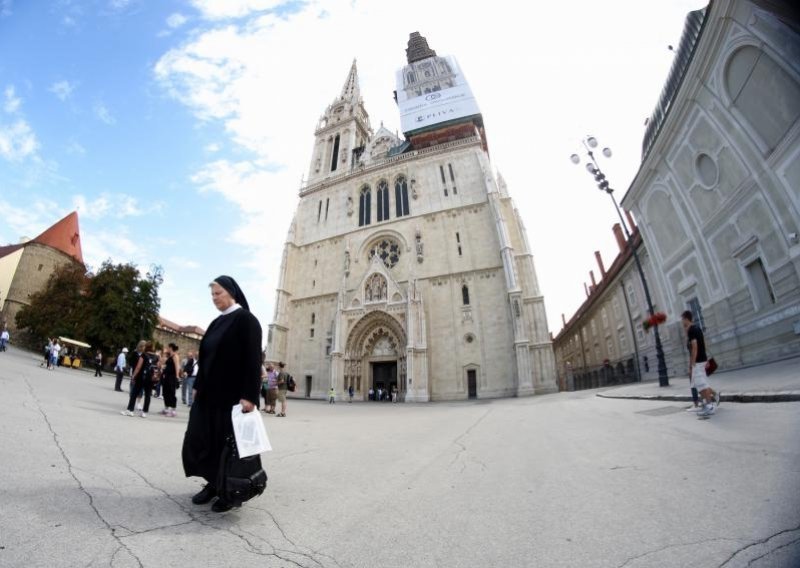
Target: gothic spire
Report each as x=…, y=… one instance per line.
x=351, y=89
x=418, y=49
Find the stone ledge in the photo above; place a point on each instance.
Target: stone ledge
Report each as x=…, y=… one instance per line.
x=761, y=396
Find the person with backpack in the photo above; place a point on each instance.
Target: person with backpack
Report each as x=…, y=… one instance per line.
x=142, y=380
x=283, y=387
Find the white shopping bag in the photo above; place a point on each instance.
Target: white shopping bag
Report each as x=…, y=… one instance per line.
x=251, y=436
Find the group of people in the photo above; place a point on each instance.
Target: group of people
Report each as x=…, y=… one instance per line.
x=158, y=371
x=383, y=395
x=274, y=386
x=52, y=349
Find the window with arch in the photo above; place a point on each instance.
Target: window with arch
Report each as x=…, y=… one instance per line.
x=383, y=200
x=763, y=92
x=401, y=196
x=364, y=202
x=313, y=318
x=465, y=295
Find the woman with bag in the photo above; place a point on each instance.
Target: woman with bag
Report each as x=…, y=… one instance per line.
x=230, y=375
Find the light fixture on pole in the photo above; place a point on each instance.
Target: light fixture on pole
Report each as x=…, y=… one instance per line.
x=590, y=143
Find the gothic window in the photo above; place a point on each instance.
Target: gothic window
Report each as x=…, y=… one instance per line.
x=458, y=243
x=364, y=217
x=383, y=201
x=312, y=332
x=465, y=295
x=410, y=77
x=401, y=196
x=313, y=318
x=319, y=210
x=327, y=203
x=387, y=250
x=335, y=155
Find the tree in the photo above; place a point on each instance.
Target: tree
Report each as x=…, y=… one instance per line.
x=122, y=305
x=58, y=309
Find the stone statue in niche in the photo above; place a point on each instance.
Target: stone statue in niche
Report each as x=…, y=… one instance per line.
x=349, y=206
x=375, y=289
x=347, y=261
x=419, y=245
x=413, y=184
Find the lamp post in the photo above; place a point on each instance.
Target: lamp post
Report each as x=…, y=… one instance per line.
x=590, y=143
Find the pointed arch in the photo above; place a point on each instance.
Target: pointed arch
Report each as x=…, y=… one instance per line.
x=383, y=200
x=364, y=203
x=401, y=196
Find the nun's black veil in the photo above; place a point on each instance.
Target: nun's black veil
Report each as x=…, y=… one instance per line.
x=233, y=289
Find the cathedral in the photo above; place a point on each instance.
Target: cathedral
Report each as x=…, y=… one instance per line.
x=407, y=267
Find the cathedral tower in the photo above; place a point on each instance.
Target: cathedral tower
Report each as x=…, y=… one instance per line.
x=407, y=267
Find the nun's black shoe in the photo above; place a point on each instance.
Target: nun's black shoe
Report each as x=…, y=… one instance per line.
x=221, y=506
x=205, y=496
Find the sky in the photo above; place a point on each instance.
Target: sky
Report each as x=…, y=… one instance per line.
x=181, y=131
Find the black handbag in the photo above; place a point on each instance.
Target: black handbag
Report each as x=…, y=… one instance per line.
x=239, y=479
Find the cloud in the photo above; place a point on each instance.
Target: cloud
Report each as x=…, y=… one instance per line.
x=119, y=4
x=5, y=8
x=183, y=263
x=103, y=114
x=115, y=205
x=62, y=89
x=75, y=148
x=212, y=148
x=30, y=221
x=176, y=20
x=227, y=9
x=12, y=103
x=17, y=141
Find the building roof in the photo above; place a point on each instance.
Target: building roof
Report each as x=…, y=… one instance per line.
x=64, y=236
x=177, y=328
x=692, y=29
x=418, y=49
x=8, y=249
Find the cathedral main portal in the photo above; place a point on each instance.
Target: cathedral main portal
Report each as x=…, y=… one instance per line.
x=375, y=356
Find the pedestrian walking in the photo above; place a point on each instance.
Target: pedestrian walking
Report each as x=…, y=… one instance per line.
x=187, y=366
x=55, y=348
x=142, y=380
x=350, y=392
x=169, y=380
x=98, y=364
x=157, y=376
x=119, y=368
x=271, y=391
x=189, y=381
x=331, y=396
x=283, y=388
x=5, y=337
x=695, y=343
x=230, y=374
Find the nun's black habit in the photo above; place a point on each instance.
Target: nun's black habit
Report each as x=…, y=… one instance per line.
x=229, y=370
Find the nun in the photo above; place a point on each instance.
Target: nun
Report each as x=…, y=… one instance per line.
x=229, y=374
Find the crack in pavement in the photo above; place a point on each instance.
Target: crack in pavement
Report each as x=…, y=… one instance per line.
x=763, y=541
x=678, y=545
x=790, y=543
x=71, y=471
x=463, y=449
x=203, y=518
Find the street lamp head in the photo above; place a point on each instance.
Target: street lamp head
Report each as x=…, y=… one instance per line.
x=575, y=159
x=592, y=142
x=590, y=168
x=607, y=152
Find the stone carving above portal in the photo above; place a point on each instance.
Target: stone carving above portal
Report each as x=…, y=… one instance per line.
x=385, y=346
x=375, y=289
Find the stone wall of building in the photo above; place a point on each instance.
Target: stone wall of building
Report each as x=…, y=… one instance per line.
x=717, y=193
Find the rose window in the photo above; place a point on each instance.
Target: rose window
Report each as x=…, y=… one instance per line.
x=387, y=250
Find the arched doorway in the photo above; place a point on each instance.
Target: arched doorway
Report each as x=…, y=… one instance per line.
x=375, y=355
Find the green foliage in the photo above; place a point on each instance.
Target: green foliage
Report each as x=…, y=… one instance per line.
x=111, y=309
x=123, y=306
x=58, y=309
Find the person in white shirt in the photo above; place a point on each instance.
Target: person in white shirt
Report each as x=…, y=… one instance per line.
x=4, y=338
x=119, y=368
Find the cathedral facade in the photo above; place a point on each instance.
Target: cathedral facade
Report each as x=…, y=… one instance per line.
x=407, y=266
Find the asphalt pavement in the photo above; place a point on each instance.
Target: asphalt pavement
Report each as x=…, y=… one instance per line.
x=568, y=479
